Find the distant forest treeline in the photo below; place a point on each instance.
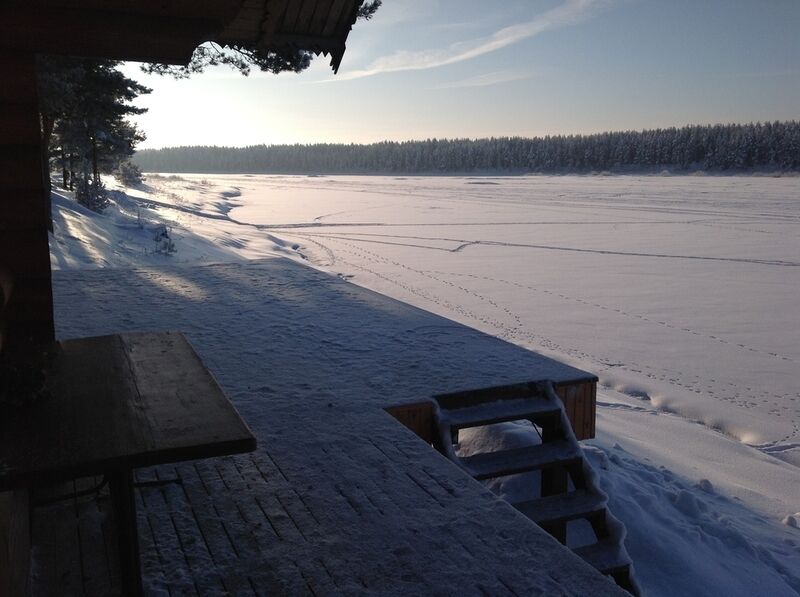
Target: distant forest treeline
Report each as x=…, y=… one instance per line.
x=771, y=145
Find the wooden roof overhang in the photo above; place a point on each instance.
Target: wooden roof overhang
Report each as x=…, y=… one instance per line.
x=169, y=31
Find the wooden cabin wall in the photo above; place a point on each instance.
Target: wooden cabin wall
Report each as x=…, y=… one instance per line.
x=26, y=300
x=24, y=217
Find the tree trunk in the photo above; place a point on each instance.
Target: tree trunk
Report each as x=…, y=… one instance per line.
x=71, y=171
x=47, y=133
x=64, y=173
x=95, y=171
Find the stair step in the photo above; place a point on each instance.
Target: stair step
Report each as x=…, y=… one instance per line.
x=536, y=401
x=498, y=412
x=562, y=507
x=606, y=556
x=519, y=460
x=493, y=394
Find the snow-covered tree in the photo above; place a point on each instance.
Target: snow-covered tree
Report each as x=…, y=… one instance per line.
x=718, y=147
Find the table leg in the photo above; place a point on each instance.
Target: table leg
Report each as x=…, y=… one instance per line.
x=121, y=484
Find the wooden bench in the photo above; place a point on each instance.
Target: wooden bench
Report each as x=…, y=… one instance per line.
x=113, y=404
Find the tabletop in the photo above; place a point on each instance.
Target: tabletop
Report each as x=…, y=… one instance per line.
x=118, y=402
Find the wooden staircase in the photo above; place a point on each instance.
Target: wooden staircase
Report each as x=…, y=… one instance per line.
x=569, y=487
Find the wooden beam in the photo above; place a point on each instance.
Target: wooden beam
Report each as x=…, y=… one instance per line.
x=322, y=15
x=116, y=35
x=24, y=248
x=334, y=16
x=219, y=10
x=276, y=10
x=290, y=16
x=307, y=42
x=303, y=22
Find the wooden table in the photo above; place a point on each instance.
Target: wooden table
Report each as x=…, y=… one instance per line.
x=117, y=403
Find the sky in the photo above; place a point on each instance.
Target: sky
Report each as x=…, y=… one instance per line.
x=471, y=68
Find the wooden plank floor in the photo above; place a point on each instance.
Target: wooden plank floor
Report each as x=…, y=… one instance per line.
x=243, y=526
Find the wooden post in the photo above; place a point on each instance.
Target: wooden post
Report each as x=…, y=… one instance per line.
x=418, y=417
x=15, y=542
x=24, y=248
x=27, y=313
x=554, y=481
x=580, y=403
x=121, y=484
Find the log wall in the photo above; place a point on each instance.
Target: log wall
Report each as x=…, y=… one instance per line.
x=24, y=248
x=26, y=298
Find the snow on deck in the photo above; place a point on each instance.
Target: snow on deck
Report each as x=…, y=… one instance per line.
x=339, y=497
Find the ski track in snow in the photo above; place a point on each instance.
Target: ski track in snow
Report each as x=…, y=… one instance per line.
x=463, y=244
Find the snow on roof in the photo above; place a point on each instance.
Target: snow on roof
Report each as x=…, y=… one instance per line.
x=339, y=496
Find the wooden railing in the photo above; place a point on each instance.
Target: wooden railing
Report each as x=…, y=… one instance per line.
x=579, y=398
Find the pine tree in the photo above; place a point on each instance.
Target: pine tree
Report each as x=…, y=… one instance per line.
x=737, y=147
x=84, y=106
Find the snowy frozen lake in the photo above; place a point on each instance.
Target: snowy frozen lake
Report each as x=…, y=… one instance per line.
x=679, y=291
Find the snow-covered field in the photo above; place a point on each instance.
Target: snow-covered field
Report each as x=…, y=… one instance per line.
x=680, y=293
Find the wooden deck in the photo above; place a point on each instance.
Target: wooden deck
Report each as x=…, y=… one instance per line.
x=204, y=530
x=339, y=498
